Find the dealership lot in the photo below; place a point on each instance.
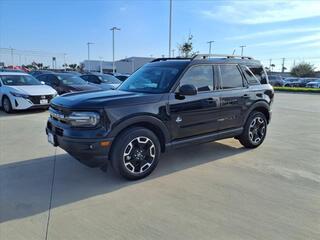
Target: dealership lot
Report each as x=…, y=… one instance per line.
x=211, y=191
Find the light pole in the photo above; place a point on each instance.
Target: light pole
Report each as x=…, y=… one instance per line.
x=64, y=61
x=12, y=62
x=132, y=65
x=283, y=67
x=113, y=29
x=270, y=61
x=210, y=42
x=242, y=47
x=170, y=24
x=89, y=43
x=101, y=71
x=173, y=53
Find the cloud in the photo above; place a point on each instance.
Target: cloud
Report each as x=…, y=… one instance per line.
x=274, y=32
x=300, y=40
x=258, y=12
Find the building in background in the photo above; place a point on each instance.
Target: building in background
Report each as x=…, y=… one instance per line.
x=131, y=64
x=124, y=66
x=96, y=66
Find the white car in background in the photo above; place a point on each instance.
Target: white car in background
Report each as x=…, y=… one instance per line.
x=314, y=84
x=19, y=91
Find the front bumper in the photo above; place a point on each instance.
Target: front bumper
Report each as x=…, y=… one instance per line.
x=19, y=103
x=80, y=143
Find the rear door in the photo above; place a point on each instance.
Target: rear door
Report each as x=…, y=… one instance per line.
x=234, y=96
x=198, y=114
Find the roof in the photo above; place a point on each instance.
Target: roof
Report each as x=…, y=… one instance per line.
x=212, y=58
x=178, y=63
x=227, y=60
x=13, y=73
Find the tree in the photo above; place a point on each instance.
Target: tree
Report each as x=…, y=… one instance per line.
x=73, y=66
x=186, y=47
x=272, y=66
x=303, y=70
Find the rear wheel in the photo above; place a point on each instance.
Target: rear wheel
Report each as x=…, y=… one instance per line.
x=135, y=153
x=254, y=131
x=6, y=105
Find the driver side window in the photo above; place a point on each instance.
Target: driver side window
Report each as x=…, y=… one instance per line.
x=199, y=76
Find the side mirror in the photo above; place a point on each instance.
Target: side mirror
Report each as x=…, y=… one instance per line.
x=188, y=90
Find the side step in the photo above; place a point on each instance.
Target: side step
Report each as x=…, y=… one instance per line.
x=205, y=138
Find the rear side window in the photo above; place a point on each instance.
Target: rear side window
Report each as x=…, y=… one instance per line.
x=230, y=77
x=259, y=73
x=199, y=76
x=251, y=78
x=93, y=79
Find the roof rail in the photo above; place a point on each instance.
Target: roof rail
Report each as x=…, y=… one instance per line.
x=206, y=56
x=165, y=59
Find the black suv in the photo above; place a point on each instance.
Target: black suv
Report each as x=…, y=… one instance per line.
x=167, y=103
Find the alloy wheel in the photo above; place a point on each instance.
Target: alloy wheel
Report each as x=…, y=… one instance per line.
x=139, y=155
x=257, y=130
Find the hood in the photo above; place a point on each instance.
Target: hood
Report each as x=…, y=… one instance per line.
x=33, y=90
x=103, y=99
x=106, y=86
x=86, y=87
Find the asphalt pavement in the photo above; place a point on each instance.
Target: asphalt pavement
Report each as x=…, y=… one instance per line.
x=216, y=190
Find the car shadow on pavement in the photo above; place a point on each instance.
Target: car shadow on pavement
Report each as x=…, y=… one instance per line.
x=25, y=186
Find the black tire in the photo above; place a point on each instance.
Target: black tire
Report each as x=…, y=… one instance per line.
x=254, y=133
x=133, y=159
x=6, y=104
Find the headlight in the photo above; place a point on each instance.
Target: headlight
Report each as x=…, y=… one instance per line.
x=19, y=95
x=83, y=119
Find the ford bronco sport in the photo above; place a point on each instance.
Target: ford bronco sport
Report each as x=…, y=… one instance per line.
x=170, y=102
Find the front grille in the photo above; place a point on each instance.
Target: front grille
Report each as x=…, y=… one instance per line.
x=58, y=131
x=36, y=99
x=58, y=113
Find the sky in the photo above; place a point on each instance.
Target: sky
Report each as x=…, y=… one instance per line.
x=39, y=29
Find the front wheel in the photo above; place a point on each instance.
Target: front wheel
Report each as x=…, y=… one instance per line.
x=6, y=105
x=254, y=131
x=135, y=153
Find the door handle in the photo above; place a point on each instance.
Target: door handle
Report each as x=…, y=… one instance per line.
x=246, y=96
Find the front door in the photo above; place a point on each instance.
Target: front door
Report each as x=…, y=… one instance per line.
x=198, y=114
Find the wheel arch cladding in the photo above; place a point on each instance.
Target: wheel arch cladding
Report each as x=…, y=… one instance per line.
x=260, y=106
x=151, y=123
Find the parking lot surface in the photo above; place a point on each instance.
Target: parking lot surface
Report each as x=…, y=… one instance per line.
x=212, y=191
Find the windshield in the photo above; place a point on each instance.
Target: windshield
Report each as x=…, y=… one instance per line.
x=274, y=77
x=71, y=80
x=109, y=79
x=19, y=80
x=151, y=79
x=291, y=79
